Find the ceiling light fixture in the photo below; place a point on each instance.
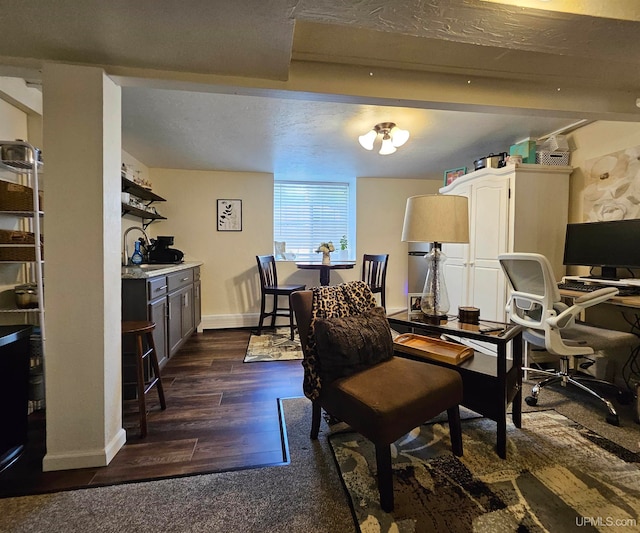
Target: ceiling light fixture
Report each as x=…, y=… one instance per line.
x=392, y=137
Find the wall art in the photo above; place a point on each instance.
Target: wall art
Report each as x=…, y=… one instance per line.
x=612, y=186
x=229, y=215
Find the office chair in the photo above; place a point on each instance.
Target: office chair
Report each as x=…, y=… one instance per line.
x=535, y=303
x=269, y=285
x=374, y=274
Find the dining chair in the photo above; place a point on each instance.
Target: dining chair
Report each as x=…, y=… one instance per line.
x=374, y=274
x=269, y=286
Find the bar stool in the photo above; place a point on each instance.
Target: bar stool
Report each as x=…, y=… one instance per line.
x=141, y=329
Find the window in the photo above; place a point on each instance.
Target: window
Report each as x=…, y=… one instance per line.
x=306, y=213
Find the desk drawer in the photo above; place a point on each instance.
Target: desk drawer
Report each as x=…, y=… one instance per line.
x=180, y=279
x=156, y=287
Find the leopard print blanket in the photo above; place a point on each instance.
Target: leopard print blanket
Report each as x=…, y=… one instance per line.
x=346, y=299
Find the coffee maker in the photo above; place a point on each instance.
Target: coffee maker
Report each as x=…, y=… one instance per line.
x=159, y=251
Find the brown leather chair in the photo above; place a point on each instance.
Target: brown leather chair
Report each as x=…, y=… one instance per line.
x=382, y=402
x=269, y=286
x=374, y=274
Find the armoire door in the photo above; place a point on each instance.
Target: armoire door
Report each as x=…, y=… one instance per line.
x=489, y=237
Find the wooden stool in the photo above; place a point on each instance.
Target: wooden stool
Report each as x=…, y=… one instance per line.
x=143, y=328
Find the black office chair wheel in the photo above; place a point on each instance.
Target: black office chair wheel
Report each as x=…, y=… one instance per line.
x=614, y=420
x=624, y=397
x=530, y=400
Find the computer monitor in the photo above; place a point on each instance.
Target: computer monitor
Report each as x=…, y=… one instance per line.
x=608, y=245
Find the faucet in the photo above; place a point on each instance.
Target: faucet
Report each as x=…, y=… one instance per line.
x=125, y=249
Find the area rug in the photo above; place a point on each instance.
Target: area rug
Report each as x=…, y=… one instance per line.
x=273, y=346
x=558, y=476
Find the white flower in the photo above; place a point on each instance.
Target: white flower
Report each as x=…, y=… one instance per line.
x=326, y=247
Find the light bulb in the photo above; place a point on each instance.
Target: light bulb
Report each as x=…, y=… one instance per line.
x=366, y=140
x=387, y=146
x=399, y=137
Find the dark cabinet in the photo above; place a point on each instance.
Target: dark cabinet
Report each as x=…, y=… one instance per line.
x=168, y=300
x=14, y=396
x=197, y=304
x=158, y=313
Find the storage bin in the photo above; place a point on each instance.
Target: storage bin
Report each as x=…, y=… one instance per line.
x=527, y=149
x=552, y=158
x=16, y=197
x=17, y=253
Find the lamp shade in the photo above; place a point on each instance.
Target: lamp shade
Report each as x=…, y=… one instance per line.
x=436, y=218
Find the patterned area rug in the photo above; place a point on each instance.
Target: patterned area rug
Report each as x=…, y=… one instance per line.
x=558, y=476
x=273, y=346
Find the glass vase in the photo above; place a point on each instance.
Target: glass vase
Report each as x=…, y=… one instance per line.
x=435, y=301
x=326, y=258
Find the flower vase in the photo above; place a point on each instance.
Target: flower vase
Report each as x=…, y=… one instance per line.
x=326, y=258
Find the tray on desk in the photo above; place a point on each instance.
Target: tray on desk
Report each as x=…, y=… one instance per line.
x=432, y=348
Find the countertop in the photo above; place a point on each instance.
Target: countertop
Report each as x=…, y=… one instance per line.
x=152, y=270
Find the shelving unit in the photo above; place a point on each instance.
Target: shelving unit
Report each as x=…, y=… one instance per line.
x=24, y=172
x=145, y=195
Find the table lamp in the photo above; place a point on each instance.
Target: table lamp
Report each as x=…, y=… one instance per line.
x=436, y=218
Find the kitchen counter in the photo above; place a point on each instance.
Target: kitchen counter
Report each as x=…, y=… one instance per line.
x=151, y=270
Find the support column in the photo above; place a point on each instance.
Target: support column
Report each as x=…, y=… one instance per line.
x=82, y=158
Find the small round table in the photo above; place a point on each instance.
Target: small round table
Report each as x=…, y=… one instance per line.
x=325, y=270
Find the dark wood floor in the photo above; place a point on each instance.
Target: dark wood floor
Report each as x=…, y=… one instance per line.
x=222, y=414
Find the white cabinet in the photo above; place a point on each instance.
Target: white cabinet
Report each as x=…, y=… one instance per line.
x=511, y=209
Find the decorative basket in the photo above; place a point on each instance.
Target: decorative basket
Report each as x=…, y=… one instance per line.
x=18, y=253
x=16, y=197
x=552, y=158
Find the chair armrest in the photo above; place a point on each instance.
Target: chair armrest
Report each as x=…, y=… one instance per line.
x=596, y=297
x=580, y=304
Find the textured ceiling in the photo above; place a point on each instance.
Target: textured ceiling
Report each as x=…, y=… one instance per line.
x=286, y=87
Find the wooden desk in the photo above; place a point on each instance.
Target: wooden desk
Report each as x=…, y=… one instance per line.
x=325, y=270
x=490, y=383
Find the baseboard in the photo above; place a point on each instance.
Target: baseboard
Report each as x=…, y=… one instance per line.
x=229, y=321
x=85, y=459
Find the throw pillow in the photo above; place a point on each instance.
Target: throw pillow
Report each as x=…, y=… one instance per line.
x=348, y=345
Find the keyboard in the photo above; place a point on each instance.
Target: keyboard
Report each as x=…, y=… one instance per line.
x=590, y=287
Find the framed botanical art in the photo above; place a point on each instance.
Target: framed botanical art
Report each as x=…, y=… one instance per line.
x=451, y=175
x=229, y=215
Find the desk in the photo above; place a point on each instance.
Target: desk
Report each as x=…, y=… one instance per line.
x=325, y=270
x=489, y=383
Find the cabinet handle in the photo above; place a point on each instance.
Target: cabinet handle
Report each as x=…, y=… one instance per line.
x=185, y=300
x=163, y=288
x=185, y=279
x=169, y=310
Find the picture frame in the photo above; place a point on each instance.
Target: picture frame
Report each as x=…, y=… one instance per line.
x=229, y=215
x=414, y=299
x=451, y=175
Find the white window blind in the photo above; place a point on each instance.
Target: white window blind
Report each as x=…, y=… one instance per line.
x=308, y=213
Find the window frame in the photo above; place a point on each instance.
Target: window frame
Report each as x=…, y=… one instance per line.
x=349, y=254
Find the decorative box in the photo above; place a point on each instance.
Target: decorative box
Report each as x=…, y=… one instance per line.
x=527, y=149
x=552, y=158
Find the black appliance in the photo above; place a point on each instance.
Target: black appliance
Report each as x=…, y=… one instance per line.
x=159, y=251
